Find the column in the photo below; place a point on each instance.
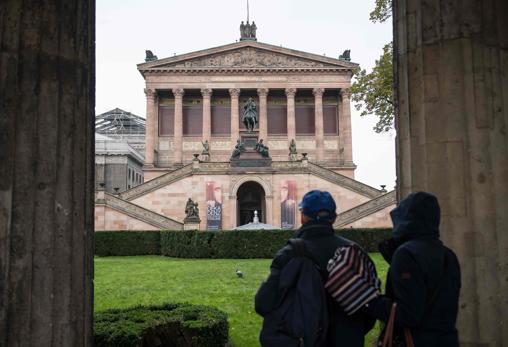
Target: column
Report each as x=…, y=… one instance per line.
x=263, y=113
x=47, y=112
x=345, y=133
x=318, y=121
x=291, y=123
x=452, y=140
x=207, y=114
x=178, y=131
x=235, y=120
x=151, y=121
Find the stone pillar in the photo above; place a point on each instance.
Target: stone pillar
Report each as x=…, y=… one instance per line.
x=345, y=132
x=452, y=118
x=290, y=93
x=178, y=128
x=207, y=114
x=318, y=120
x=151, y=121
x=47, y=93
x=235, y=120
x=263, y=113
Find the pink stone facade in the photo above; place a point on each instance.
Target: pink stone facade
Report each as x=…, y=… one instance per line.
x=299, y=96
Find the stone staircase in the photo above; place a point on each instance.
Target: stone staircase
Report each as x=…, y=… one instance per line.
x=141, y=213
x=368, y=208
x=157, y=183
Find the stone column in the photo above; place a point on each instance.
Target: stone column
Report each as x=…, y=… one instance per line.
x=318, y=121
x=151, y=121
x=452, y=119
x=235, y=120
x=345, y=132
x=263, y=113
x=207, y=114
x=291, y=122
x=178, y=128
x=47, y=93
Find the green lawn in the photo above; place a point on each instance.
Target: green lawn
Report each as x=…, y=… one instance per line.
x=144, y=280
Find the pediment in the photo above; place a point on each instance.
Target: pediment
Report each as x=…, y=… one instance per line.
x=247, y=56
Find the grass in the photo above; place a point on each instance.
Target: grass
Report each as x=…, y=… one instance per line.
x=146, y=280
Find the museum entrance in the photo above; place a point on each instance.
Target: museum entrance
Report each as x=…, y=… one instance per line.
x=250, y=198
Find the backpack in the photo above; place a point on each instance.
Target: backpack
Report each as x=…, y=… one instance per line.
x=301, y=316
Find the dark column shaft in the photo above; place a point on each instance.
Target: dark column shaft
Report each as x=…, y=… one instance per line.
x=47, y=98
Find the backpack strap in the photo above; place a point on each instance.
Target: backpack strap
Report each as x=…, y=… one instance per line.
x=299, y=249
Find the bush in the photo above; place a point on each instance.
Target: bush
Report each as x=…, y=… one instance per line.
x=109, y=243
x=249, y=244
x=178, y=325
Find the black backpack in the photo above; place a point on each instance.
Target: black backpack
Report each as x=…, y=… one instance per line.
x=301, y=316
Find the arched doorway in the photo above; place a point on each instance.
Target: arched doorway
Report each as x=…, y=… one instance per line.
x=250, y=198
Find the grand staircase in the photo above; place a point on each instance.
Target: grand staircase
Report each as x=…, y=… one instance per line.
x=141, y=213
x=366, y=209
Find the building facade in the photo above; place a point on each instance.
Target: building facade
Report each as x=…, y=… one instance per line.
x=195, y=118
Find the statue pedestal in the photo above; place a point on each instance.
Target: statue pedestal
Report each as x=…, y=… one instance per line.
x=191, y=223
x=249, y=139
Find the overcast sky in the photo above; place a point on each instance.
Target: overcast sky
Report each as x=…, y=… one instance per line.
x=126, y=28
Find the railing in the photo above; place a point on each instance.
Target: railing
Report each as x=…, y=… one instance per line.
x=366, y=209
x=141, y=213
x=344, y=181
x=157, y=182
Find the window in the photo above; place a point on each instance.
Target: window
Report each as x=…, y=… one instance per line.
x=330, y=121
x=221, y=120
x=166, y=120
x=277, y=120
x=192, y=120
x=305, y=124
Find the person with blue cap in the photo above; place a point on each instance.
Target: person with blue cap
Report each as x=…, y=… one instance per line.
x=318, y=214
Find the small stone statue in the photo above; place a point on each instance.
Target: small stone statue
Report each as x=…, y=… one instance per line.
x=346, y=56
x=206, y=148
x=191, y=210
x=150, y=56
x=262, y=149
x=293, y=154
x=250, y=115
x=239, y=148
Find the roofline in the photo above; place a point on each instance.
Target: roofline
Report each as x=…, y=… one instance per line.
x=143, y=67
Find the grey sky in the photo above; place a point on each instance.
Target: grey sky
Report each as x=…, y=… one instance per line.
x=126, y=28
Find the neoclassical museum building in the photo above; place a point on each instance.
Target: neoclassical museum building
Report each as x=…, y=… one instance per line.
x=198, y=147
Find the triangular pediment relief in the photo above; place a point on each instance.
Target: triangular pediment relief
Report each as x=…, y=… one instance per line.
x=247, y=56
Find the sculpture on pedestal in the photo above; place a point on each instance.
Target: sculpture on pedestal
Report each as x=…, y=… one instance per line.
x=250, y=115
x=262, y=149
x=206, y=150
x=293, y=154
x=191, y=211
x=239, y=148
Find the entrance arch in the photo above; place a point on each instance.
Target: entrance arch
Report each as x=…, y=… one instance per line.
x=250, y=197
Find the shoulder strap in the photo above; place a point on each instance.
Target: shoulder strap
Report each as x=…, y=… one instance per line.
x=299, y=249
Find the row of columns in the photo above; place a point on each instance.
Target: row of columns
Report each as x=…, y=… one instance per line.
x=345, y=138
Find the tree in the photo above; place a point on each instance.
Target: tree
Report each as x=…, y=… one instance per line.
x=373, y=92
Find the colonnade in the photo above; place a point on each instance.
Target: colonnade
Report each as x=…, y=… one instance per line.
x=345, y=146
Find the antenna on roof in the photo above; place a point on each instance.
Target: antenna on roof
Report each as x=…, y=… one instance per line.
x=247, y=11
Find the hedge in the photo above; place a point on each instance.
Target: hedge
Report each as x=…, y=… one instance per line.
x=249, y=244
x=177, y=325
x=109, y=243
x=215, y=244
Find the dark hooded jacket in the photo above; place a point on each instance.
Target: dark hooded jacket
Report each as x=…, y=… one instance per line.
x=321, y=242
x=424, y=275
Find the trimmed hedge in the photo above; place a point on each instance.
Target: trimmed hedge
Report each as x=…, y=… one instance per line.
x=249, y=244
x=178, y=325
x=108, y=243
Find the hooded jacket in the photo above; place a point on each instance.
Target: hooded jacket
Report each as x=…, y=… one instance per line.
x=424, y=275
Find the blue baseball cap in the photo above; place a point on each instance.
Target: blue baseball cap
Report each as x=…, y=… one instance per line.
x=316, y=203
